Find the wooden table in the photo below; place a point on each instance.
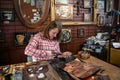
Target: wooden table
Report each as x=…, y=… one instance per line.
x=52, y=73
x=111, y=70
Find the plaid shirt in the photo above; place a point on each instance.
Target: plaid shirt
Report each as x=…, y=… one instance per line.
x=38, y=46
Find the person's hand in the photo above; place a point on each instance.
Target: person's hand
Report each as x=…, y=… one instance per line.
x=66, y=54
x=49, y=53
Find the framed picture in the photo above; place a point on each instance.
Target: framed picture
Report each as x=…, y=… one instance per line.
x=19, y=38
x=100, y=6
x=39, y=4
x=61, y=2
x=87, y=3
x=73, y=16
x=7, y=15
x=109, y=5
x=80, y=32
x=23, y=38
x=64, y=11
x=87, y=17
x=32, y=2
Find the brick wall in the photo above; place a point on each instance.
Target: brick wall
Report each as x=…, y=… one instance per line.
x=16, y=53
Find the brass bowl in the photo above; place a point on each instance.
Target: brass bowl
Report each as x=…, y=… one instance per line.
x=83, y=55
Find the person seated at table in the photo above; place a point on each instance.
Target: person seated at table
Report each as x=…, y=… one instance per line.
x=45, y=44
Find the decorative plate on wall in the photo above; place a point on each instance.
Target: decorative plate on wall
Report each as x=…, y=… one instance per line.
x=66, y=35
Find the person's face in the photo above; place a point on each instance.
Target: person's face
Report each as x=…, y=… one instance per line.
x=53, y=33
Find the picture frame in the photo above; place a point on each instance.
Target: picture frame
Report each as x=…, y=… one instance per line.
x=33, y=17
x=109, y=5
x=72, y=21
x=32, y=2
x=61, y=2
x=20, y=38
x=23, y=38
x=100, y=6
x=87, y=3
x=39, y=4
x=80, y=32
x=87, y=17
x=64, y=12
x=7, y=14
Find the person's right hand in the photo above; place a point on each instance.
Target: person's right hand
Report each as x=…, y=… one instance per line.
x=67, y=54
x=49, y=53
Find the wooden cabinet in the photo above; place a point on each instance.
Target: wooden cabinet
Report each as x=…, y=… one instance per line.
x=115, y=57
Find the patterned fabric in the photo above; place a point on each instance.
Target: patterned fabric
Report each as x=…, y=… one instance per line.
x=38, y=46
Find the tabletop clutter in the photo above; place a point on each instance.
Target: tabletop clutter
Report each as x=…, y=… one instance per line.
x=100, y=40
x=80, y=70
x=29, y=71
x=96, y=43
x=67, y=69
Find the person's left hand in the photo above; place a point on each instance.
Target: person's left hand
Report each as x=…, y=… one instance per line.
x=49, y=53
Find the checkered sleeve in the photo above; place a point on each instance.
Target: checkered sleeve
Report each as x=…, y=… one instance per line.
x=32, y=48
x=57, y=48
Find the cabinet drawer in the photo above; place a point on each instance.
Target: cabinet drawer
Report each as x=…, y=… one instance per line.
x=115, y=56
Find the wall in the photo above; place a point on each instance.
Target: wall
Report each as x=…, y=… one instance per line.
x=15, y=54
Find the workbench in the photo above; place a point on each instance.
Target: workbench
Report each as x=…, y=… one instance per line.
x=109, y=69
x=112, y=71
